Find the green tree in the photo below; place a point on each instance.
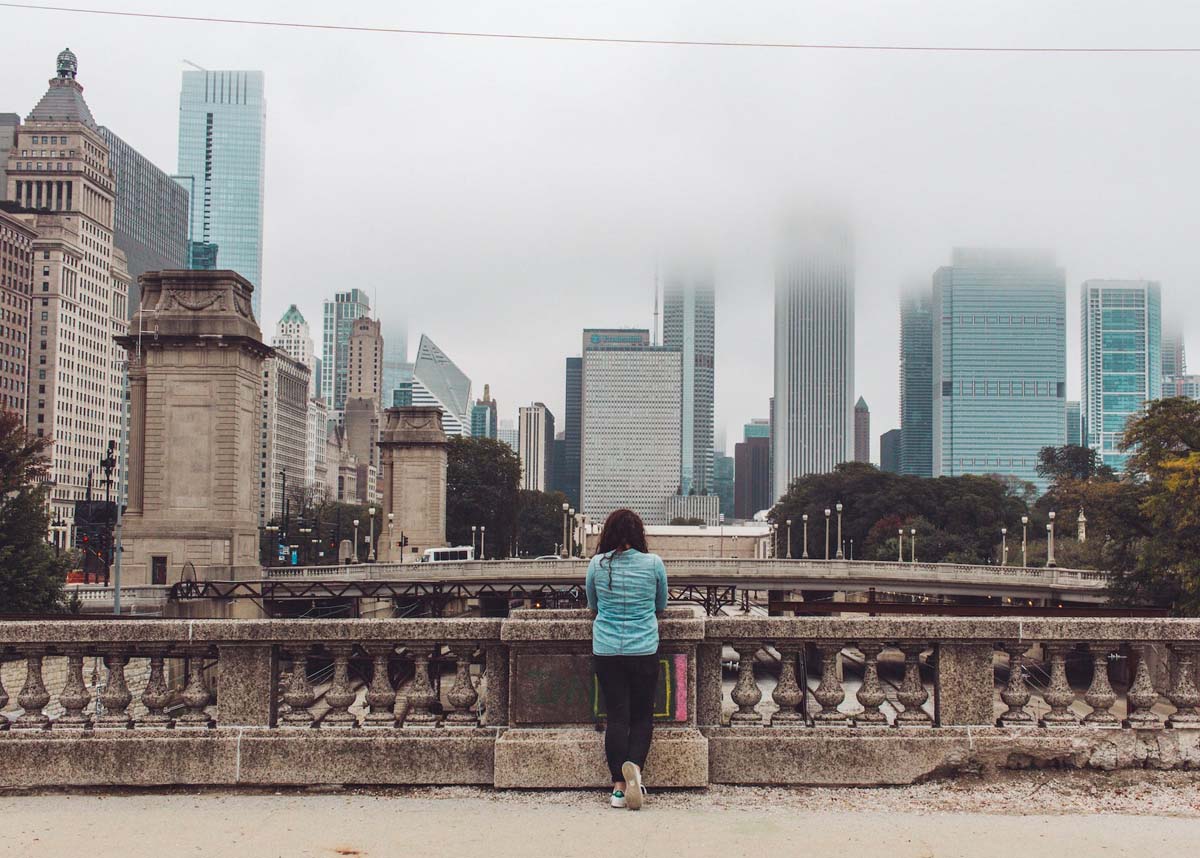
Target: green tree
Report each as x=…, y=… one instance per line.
x=1072, y=462
x=685, y=521
x=539, y=522
x=32, y=575
x=482, y=480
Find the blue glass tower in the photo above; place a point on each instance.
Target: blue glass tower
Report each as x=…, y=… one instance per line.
x=916, y=383
x=222, y=138
x=999, y=361
x=1122, y=359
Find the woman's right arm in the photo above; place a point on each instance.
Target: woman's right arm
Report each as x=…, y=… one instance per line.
x=590, y=586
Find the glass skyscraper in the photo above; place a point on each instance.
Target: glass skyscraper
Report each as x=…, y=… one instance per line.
x=689, y=326
x=340, y=314
x=222, y=138
x=916, y=383
x=569, y=467
x=395, y=356
x=1074, y=433
x=1000, y=367
x=1122, y=359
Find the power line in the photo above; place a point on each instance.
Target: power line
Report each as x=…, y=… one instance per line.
x=603, y=40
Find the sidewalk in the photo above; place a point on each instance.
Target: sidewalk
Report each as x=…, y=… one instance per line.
x=1096, y=815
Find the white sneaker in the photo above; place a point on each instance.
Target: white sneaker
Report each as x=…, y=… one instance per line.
x=618, y=799
x=635, y=792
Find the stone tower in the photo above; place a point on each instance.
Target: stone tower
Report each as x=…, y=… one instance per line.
x=195, y=380
x=412, y=450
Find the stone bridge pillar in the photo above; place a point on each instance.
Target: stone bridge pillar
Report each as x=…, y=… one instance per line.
x=195, y=367
x=412, y=453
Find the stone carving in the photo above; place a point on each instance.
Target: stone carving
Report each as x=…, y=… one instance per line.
x=1058, y=694
x=381, y=697
x=242, y=306
x=3, y=703
x=829, y=693
x=193, y=301
x=1016, y=693
x=33, y=696
x=462, y=695
x=196, y=695
x=912, y=694
x=340, y=695
x=156, y=696
x=299, y=695
x=115, y=697
x=1142, y=695
x=1184, y=693
x=421, y=696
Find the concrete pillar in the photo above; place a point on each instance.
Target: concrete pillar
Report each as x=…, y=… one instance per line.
x=246, y=680
x=195, y=455
x=412, y=450
x=965, y=684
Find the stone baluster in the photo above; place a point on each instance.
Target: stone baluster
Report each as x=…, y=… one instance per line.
x=788, y=695
x=829, y=692
x=299, y=696
x=1058, y=694
x=196, y=696
x=1100, y=695
x=1184, y=693
x=421, y=696
x=1016, y=693
x=462, y=696
x=340, y=695
x=75, y=696
x=871, y=695
x=746, y=693
x=156, y=697
x=381, y=697
x=3, y=694
x=115, y=698
x=1142, y=696
x=912, y=694
x=33, y=696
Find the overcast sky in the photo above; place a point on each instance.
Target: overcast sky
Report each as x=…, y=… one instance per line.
x=502, y=194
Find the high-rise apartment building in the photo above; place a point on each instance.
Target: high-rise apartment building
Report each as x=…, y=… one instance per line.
x=862, y=431
x=1174, y=356
x=150, y=220
x=285, y=438
x=1074, y=423
x=395, y=357
x=1000, y=368
x=814, y=352
x=9, y=123
x=340, y=315
x=1183, y=385
x=361, y=414
x=689, y=326
x=294, y=338
x=536, y=446
x=483, y=415
x=889, y=451
x=916, y=383
x=1121, y=334
x=222, y=159
x=570, y=467
x=16, y=288
x=752, y=476
x=632, y=414
x=60, y=181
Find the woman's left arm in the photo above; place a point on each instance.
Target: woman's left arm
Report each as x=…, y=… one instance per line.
x=660, y=594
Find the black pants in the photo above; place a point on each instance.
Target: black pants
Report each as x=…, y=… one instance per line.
x=628, y=683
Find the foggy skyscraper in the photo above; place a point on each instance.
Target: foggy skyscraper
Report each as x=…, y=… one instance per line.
x=916, y=383
x=689, y=326
x=814, y=351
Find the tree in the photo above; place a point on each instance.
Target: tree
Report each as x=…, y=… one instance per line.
x=482, y=480
x=32, y=575
x=684, y=521
x=540, y=522
x=1072, y=462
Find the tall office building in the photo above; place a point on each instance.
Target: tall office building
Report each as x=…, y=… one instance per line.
x=751, y=476
x=60, y=182
x=361, y=417
x=294, y=338
x=222, y=160
x=862, y=431
x=285, y=438
x=16, y=289
x=150, y=220
x=340, y=315
x=889, y=451
x=1183, y=385
x=759, y=427
x=689, y=326
x=536, y=446
x=1174, y=356
x=632, y=415
x=570, y=468
x=483, y=415
x=724, y=473
x=1074, y=423
x=507, y=433
x=814, y=352
x=916, y=383
x=395, y=357
x=438, y=381
x=1000, y=366
x=364, y=367
x=9, y=123
x=1121, y=333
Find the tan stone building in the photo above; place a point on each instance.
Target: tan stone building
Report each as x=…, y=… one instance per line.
x=58, y=176
x=364, y=382
x=284, y=467
x=16, y=284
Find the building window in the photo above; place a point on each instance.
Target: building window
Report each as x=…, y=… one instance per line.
x=158, y=570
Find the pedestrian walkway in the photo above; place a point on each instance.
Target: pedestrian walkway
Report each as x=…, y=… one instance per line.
x=1031, y=815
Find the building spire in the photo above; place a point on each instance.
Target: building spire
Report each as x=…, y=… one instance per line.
x=68, y=65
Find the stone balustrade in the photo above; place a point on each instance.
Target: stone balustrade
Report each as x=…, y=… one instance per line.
x=513, y=702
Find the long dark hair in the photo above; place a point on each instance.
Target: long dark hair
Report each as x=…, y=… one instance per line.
x=623, y=529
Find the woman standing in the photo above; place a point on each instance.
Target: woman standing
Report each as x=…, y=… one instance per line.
x=627, y=590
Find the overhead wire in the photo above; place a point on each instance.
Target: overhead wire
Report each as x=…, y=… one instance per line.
x=603, y=40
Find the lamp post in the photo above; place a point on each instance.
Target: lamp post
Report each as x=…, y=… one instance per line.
x=912, y=543
x=473, y=537
x=371, y=553
x=1004, y=546
x=570, y=533
x=902, y=545
x=840, y=554
x=482, y=536
x=566, y=507
x=355, y=560
x=1050, y=542
x=304, y=531
x=804, y=548
x=827, y=511
x=391, y=529
x=851, y=549
x=789, y=539
x=1024, y=541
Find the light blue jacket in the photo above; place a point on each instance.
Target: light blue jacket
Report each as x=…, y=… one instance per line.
x=626, y=602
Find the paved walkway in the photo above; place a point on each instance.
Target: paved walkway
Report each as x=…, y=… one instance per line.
x=1099, y=816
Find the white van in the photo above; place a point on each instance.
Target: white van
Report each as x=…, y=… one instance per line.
x=448, y=555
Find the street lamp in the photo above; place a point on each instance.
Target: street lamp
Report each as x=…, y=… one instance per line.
x=570, y=533
x=804, y=549
x=391, y=526
x=902, y=545
x=851, y=549
x=355, y=560
x=482, y=536
x=912, y=543
x=1024, y=541
x=789, y=539
x=566, y=508
x=1004, y=546
x=371, y=553
x=1050, y=542
x=473, y=529
x=827, y=512
x=840, y=555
